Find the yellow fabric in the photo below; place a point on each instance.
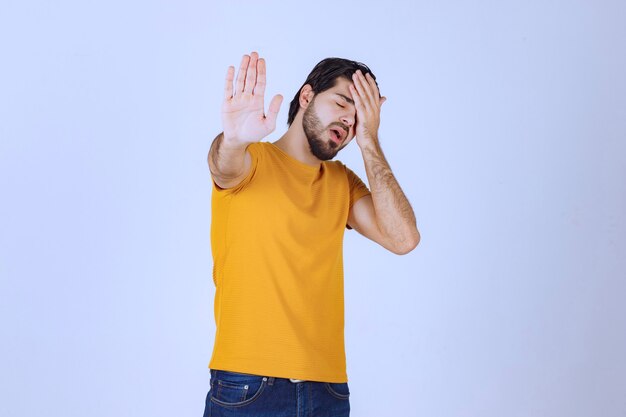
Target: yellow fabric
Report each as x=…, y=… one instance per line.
x=277, y=242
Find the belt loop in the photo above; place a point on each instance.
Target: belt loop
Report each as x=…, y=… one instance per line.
x=270, y=381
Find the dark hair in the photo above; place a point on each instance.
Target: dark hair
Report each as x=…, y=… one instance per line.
x=324, y=76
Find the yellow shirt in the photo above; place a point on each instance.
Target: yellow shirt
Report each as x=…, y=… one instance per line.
x=277, y=242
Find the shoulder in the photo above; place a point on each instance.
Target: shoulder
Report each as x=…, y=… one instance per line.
x=257, y=148
x=345, y=170
x=336, y=166
x=252, y=157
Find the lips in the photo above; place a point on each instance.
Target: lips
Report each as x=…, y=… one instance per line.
x=337, y=134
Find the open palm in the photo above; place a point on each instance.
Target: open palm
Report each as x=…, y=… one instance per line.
x=243, y=116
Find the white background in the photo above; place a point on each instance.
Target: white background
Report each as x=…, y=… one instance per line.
x=505, y=125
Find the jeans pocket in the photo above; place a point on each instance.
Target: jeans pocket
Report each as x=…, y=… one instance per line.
x=338, y=390
x=231, y=389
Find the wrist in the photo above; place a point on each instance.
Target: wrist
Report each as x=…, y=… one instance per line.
x=368, y=143
x=234, y=143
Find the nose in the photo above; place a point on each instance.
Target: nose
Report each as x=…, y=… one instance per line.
x=348, y=120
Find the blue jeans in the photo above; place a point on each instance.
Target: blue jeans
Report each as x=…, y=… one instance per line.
x=239, y=394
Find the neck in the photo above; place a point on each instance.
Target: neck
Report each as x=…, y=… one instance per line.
x=295, y=144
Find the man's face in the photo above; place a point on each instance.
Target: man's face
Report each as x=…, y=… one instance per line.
x=329, y=120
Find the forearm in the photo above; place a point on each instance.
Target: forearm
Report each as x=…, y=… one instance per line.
x=394, y=215
x=226, y=159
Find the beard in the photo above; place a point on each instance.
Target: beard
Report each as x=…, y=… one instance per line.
x=323, y=148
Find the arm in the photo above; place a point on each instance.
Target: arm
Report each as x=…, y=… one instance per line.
x=386, y=216
x=228, y=163
x=243, y=120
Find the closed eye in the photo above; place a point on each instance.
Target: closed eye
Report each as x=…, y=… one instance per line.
x=340, y=105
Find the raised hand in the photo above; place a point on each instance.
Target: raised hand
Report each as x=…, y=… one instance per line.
x=368, y=102
x=243, y=117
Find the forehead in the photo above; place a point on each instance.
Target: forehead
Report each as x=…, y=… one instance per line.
x=341, y=89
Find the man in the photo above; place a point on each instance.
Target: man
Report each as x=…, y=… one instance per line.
x=279, y=211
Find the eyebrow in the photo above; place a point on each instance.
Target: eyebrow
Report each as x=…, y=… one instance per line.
x=346, y=98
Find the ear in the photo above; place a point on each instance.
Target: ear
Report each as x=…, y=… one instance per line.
x=306, y=95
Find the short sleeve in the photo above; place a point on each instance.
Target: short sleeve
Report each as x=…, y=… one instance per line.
x=358, y=188
x=255, y=150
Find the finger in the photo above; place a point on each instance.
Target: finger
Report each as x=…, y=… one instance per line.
x=251, y=76
x=382, y=100
x=259, y=89
x=228, y=88
x=358, y=103
x=273, y=110
x=358, y=84
x=367, y=87
x=373, y=87
x=241, y=76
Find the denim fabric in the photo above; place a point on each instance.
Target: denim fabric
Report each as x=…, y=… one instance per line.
x=233, y=393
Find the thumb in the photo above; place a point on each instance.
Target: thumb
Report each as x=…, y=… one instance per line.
x=272, y=112
x=382, y=100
